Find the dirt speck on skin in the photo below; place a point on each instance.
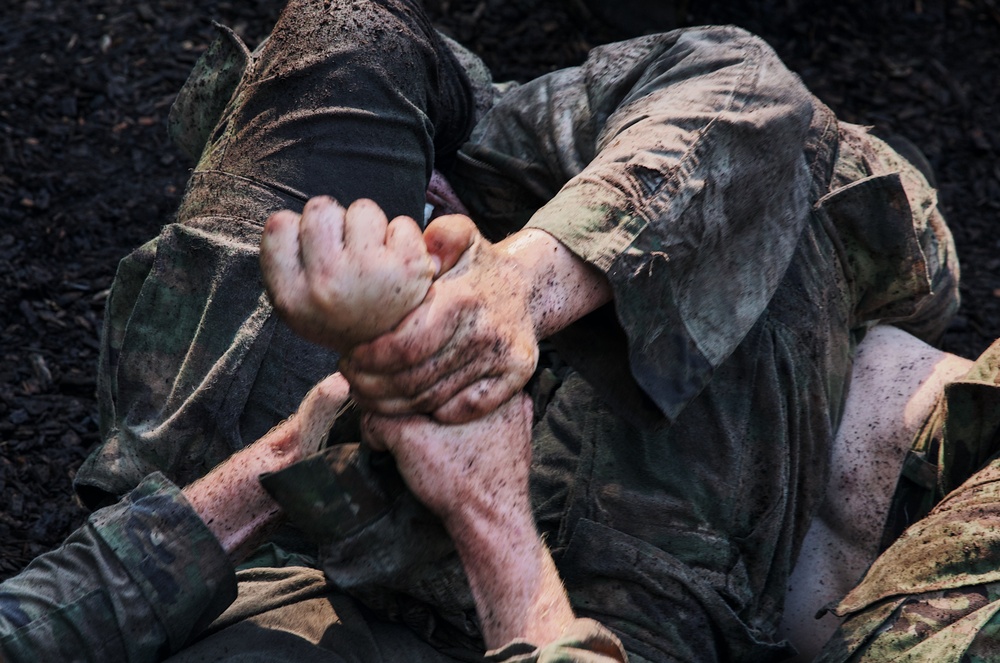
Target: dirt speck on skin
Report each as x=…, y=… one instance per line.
x=87, y=173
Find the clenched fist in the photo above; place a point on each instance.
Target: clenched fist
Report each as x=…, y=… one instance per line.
x=342, y=277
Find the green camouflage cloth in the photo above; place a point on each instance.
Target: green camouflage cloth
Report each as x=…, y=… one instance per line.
x=144, y=578
x=934, y=595
x=586, y=641
x=749, y=238
x=133, y=584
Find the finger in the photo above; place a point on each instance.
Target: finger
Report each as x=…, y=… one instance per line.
x=321, y=236
x=415, y=381
x=478, y=399
x=404, y=238
x=280, y=261
x=372, y=432
x=424, y=402
x=449, y=237
x=390, y=433
x=419, y=336
x=366, y=225
x=319, y=410
x=327, y=398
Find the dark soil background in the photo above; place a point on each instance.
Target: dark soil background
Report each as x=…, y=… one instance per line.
x=87, y=173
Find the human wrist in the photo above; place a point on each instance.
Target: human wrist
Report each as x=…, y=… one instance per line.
x=562, y=287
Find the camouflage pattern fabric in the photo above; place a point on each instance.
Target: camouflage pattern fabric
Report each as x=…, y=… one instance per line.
x=133, y=584
x=194, y=363
x=586, y=641
x=934, y=595
x=749, y=238
x=142, y=580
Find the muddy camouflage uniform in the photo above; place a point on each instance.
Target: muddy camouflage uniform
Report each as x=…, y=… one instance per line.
x=133, y=584
x=934, y=595
x=683, y=433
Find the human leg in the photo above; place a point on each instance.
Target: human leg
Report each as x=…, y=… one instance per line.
x=349, y=99
x=345, y=99
x=896, y=385
x=933, y=595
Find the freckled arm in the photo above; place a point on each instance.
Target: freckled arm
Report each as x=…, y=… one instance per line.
x=230, y=498
x=564, y=287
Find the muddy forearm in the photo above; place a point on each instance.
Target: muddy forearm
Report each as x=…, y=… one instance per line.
x=564, y=287
x=518, y=592
x=231, y=501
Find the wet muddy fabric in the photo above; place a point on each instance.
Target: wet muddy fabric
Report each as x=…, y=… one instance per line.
x=293, y=614
x=142, y=578
x=345, y=99
x=749, y=238
x=679, y=535
x=934, y=595
x=132, y=584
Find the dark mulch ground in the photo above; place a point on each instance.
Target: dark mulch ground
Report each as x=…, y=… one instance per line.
x=86, y=172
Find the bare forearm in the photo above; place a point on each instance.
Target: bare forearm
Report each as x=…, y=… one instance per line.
x=564, y=287
x=514, y=580
x=475, y=477
x=231, y=501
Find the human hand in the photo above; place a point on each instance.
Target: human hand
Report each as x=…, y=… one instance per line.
x=474, y=476
x=320, y=408
x=467, y=474
x=470, y=345
x=341, y=277
x=230, y=499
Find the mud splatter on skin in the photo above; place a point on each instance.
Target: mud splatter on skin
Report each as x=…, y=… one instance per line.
x=468, y=348
x=230, y=498
x=895, y=386
x=342, y=277
x=475, y=342
x=475, y=477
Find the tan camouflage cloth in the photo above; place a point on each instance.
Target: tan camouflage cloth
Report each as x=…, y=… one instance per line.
x=934, y=595
x=749, y=238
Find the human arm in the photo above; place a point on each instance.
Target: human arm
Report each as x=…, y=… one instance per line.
x=676, y=167
x=132, y=584
x=340, y=276
x=141, y=576
x=472, y=343
x=230, y=499
x=344, y=277
x=475, y=477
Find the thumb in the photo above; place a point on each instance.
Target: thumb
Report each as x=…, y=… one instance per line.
x=319, y=410
x=448, y=237
x=378, y=432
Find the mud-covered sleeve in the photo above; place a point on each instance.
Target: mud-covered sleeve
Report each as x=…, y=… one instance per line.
x=675, y=164
x=194, y=363
x=132, y=584
x=585, y=641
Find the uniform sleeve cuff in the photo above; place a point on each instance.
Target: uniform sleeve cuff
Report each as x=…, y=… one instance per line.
x=584, y=641
x=171, y=556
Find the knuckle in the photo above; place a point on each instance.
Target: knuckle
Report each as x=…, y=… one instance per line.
x=411, y=351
